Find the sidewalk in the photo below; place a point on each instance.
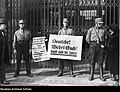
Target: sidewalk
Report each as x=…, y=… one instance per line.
x=48, y=77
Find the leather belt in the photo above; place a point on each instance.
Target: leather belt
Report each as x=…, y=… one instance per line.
x=22, y=41
x=95, y=41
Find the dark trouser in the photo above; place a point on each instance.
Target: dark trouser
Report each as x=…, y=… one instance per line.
x=61, y=65
x=2, y=70
x=2, y=74
x=113, y=63
x=22, y=49
x=107, y=64
x=96, y=55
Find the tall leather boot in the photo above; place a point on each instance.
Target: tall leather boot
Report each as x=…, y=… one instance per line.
x=71, y=74
x=114, y=77
x=71, y=68
x=101, y=73
x=61, y=67
x=92, y=68
x=60, y=73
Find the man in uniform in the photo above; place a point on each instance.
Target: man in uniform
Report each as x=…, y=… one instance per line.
x=22, y=46
x=4, y=60
x=65, y=31
x=96, y=38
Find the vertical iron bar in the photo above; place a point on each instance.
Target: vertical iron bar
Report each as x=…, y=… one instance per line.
x=10, y=18
x=110, y=15
x=48, y=11
x=37, y=17
x=51, y=14
x=30, y=17
x=106, y=14
x=59, y=9
x=113, y=14
x=44, y=7
x=54, y=14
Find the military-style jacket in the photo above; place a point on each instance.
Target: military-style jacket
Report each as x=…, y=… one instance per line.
x=67, y=31
x=21, y=35
x=92, y=36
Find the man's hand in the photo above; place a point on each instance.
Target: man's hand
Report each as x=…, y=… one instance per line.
x=46, y=39
x=102, y=46
x=30, y=51
x=15, y=52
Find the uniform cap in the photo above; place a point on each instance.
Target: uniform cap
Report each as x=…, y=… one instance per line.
x=65, y=20
x=21, y=21
x=99, y=20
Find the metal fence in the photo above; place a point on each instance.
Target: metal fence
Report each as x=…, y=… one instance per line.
x=44, y=17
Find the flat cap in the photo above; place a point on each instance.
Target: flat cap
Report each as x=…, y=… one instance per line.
x=65, y=20
x=21, y=21
x=99, y=20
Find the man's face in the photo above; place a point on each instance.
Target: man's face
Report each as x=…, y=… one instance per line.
x=3, y=26
x=99, y=25
x=65, y=24
x=22, y=25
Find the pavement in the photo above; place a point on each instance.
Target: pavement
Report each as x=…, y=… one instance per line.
x=48, y=77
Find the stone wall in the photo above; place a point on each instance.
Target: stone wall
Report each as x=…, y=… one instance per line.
x=2, y=8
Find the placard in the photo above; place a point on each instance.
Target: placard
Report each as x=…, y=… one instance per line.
x=65, y=47
x=39, y=52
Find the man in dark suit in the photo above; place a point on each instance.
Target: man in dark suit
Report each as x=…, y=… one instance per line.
x=4, y=56
x=113, y=51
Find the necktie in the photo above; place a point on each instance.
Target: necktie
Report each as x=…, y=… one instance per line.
x=65, y=31
x=22, y=34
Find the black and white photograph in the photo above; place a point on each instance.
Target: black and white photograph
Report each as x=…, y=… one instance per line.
x=59, y=43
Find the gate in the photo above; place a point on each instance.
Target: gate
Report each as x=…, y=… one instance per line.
x=44, y=17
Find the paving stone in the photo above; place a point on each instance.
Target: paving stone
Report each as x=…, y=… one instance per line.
x=48, y=77
x=51, y=81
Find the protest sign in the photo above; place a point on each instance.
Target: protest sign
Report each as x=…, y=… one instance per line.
x=39, y=52
x=65, y=47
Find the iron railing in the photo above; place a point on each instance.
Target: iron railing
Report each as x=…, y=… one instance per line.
x=44, y=17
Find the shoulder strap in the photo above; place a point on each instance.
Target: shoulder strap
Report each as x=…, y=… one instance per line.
x=96, y=34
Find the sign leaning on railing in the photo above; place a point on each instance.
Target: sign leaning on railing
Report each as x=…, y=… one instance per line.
x=39, y=52
x=65, y=47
